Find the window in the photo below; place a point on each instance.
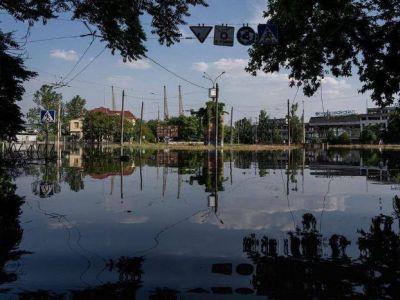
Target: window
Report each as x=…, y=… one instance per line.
x=76, y=125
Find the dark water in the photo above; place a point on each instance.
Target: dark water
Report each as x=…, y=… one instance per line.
x=196, y=225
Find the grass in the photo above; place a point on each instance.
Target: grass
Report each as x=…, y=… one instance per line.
x=367, y=146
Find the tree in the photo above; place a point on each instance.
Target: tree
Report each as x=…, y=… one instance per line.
x=120, y=28
x=75, y=108
x=392, y=134
x=244, y=130
x=369, y=135
x=334, y=37
x=189, y=127
x=12, y=76
x=296, y=128
x=46, y=98
x=264, y=130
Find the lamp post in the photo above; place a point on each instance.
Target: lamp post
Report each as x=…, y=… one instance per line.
x=214, y=94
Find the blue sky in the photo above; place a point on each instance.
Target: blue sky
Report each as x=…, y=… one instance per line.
x=143, y=80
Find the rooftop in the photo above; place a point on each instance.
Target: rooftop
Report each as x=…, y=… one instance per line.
x=127, y=114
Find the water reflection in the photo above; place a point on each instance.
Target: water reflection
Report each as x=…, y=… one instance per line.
x=277, y=224
x=10, y=228
x=296, y=266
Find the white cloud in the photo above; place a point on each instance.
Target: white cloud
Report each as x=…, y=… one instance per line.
x=69, y=55
x=230, y=64
x=137, y=64
x=200, y=66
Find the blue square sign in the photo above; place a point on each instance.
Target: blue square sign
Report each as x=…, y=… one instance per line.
x=47, y=116
x=268, y=34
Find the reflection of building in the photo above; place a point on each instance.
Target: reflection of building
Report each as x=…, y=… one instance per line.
x=75, y=158
x=351, y=123
x=76, y=128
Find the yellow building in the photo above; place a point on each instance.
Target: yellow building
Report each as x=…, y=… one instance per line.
x=76, y=128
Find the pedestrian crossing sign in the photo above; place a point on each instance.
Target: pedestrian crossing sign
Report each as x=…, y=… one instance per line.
x=47, y=116
x=268, y=34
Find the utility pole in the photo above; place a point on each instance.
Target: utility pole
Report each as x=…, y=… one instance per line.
x=216, y=115
x=122, y=124
x=141, y=122
x=180, y=101
x=113, y=99
x=58, y=126
x=166, y=116
x=256, y=140
x=231, y=125
x=288, y=116
x=304, y=127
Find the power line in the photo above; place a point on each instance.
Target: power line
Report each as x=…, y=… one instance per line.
x=175, y=74
x=84, y=68
x=80, y=59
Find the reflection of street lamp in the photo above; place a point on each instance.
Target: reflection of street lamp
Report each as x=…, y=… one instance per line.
x=214, y=93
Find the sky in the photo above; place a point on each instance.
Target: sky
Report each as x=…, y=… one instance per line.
x=144, y=80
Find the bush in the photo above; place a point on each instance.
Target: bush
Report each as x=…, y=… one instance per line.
x=344, y=139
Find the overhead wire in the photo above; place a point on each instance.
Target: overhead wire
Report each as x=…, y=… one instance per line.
x=175, y=74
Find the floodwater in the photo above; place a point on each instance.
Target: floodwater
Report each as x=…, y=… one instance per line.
x=201, y=225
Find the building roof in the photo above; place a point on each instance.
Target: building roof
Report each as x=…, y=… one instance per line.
x=127, y=114
x=330, y=120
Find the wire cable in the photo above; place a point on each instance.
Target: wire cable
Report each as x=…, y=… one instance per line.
x=175, y=74
x=80, y=59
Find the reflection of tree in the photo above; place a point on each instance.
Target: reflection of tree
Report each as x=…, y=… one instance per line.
x=48, y=184
x=129, y=281
x=10, y=229
x=74, y=178
x=302, y=271
x=212, y=174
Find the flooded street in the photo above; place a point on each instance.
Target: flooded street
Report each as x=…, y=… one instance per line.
x=201, y=225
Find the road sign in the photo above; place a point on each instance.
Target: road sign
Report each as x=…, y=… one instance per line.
x=224, y=35
x=201, y=32
x=246, y=36
x=268, y=34
x=47, y=116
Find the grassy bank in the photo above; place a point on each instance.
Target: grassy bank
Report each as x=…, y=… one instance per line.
x=199, y=147
x=366, y=147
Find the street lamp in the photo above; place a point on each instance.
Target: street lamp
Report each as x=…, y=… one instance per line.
x=214, y=93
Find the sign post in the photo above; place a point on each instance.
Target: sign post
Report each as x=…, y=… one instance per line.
x=46, y=117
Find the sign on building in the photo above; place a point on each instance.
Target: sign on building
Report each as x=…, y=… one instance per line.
x=47, y=116
x=224, y=35
x=169, y=132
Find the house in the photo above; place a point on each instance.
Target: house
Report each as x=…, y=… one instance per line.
x=76, y=128
x=127, y=114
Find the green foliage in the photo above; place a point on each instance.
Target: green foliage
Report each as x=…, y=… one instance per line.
x=46, y=98
x=392, y=134
x=147, y=132
x=98, y=127
x=264, y=130
x=296, y=126
x=343, y=139
x=12, y=76
x=120, y=28
x=244, y=131
x=370, y=135
x=189, y=127
x=334, y=37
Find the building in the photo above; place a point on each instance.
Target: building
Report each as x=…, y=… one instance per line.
x=27, y=135
x=127, y=114
x=347, y=121
x=76, y=128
